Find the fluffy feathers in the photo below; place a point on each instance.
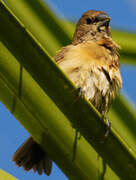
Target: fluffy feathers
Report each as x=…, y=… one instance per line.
x=94, y=68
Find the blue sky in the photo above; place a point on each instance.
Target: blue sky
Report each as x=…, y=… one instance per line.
x=123, y=14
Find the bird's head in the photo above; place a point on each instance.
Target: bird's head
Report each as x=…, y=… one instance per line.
x=93, y=25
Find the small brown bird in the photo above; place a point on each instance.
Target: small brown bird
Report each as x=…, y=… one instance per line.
x=92, y=63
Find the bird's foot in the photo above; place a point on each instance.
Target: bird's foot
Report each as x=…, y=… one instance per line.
x=108, y=125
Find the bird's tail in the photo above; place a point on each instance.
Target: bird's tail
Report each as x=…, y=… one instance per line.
x=31, y=156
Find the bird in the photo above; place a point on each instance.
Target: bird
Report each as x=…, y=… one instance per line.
x=91, y=61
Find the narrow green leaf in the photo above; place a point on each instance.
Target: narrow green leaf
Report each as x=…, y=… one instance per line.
x=127, y=41
x=49, y=77
x=5, y=176
x=43, y=25
x=123, y=119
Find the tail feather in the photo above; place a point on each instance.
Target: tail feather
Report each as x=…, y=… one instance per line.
x=31, y=156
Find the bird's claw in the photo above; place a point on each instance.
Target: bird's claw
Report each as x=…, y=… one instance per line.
x=108, y=125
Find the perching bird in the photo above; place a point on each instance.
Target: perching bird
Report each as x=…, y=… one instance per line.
x=92, y=63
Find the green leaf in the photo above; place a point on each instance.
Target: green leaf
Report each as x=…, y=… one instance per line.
x=5, y=176
x=127, y=41
x=123, y=119
x=42, y=23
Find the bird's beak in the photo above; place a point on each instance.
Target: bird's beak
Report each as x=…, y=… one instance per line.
x=103, y=20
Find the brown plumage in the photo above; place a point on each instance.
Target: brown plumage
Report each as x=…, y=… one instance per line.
x=92, y=63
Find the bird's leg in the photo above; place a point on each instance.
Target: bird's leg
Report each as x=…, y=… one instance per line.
x=108, y=127
x=107, y=123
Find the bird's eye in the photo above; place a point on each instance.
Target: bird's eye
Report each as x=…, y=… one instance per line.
x=88, y=21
